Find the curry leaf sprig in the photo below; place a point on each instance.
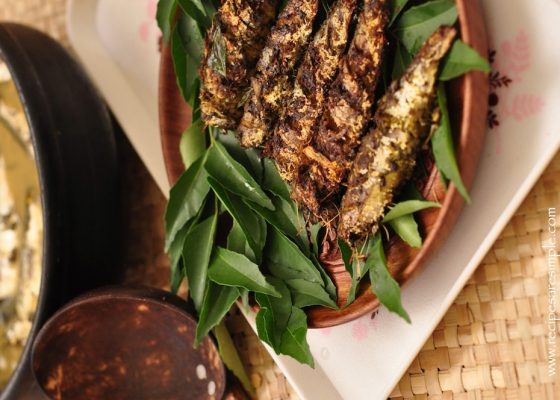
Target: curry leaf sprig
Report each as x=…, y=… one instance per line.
x=358, y=262
x=265, y=252
x=269, y=254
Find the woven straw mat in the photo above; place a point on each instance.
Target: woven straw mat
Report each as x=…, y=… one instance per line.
x=491, y=344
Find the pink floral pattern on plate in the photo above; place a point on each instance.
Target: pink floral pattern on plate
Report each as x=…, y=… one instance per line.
x=361, y=328
x=510, y=62
x=145, y=28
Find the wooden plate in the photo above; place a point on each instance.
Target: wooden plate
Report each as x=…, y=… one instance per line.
x=123, y=342
x=468, y=106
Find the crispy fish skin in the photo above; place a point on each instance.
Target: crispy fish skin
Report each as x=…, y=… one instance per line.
x=318, y=69
x=348, y=109
x=272, y=82
x=244, y=26
x=388, y=152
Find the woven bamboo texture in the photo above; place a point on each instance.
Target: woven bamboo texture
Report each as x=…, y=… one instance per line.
x=492, y=342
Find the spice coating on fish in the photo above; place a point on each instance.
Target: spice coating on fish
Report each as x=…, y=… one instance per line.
x=347, y=111
x=315, y=74
x=387, y=156
x=272, y=83
x=240, y=28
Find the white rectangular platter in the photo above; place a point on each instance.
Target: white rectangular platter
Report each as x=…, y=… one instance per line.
x=117, y=42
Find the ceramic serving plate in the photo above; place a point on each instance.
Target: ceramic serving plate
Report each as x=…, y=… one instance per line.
x=117, y=43
x=365, y=359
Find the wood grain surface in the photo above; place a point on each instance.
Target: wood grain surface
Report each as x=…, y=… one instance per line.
x=110, y=343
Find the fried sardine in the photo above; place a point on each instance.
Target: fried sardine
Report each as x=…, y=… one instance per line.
x=272, y=82
x=315, y=74
x=239, y=30
x=387, y=156
x=347, y=111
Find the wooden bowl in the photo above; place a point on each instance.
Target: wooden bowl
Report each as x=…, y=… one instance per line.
x=468, y=108
x=126, y=343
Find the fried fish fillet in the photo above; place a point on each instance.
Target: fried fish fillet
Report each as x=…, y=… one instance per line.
x=272, y=82
x=319, y=66
x=388, y=152
x=347, y=112
x=240, y=27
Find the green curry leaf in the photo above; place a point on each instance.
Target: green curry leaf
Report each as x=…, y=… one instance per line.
x=193, y=143
x=461, y=59
x=234, y=177
x=315, y=234
x=187, y=35
x=443, y=148
x=408, y=207
x=273, y=182
x=230, y=357
x=233, y=269
x=164, y=16
x=253, y=226
x=417, y=23
x=286, y=261
x=197, y=249
x=383, y=285
x=274, y=314
x=401, y=61
x=175, y=261
x=396, y=8
x=200, y=11
x=406, y=227
x=354, y=263
x=236, y=241
x=246, y=157
x=191, y=39
x=283, y=326
x=307, y=293
x=218, y=300
x=294, y=338
x=185, y=199
x=327, y=281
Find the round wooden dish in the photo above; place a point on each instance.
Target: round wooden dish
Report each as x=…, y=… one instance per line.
x=126, y=343
x=468, y=108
